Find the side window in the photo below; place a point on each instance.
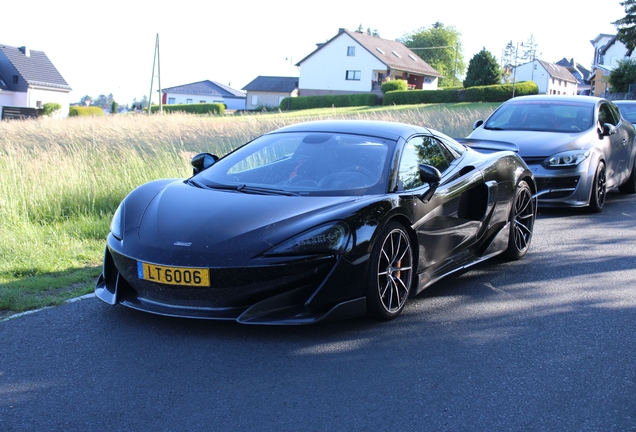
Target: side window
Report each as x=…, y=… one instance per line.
x=605, y=115
x=421, y=150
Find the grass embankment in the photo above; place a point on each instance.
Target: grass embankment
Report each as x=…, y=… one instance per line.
x=61, y=180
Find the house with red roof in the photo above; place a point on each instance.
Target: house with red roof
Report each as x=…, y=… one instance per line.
x=353, y=62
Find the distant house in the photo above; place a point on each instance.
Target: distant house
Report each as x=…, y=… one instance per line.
x=579, y=72
x=353, y=62
x=204, y=92
x=28, y=80
x=608, y=52
x=269, y=91
x=549, y=77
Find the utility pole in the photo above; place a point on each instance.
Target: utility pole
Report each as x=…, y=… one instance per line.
x=157, y=63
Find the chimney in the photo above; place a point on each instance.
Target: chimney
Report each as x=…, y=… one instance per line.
x=26, y=51
x=340, y=30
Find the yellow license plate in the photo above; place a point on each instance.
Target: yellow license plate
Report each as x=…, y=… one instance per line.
x=198, y=277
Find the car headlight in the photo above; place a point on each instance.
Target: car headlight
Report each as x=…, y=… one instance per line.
x=116, y=225
x=567, y=158
x=330, y=238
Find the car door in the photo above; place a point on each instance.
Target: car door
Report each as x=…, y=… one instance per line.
x=615, y=145
x=449, y=223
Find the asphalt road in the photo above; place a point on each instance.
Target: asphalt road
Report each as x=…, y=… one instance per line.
x=547, y=343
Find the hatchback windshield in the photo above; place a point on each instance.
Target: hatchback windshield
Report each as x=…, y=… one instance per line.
x=304, y=164
x=553, y=116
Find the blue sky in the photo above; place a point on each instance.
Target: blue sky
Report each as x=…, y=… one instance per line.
x=108, y=47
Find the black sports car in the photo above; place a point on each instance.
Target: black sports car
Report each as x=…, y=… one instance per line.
x=317, y=221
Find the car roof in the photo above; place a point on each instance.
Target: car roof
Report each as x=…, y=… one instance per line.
x=381, y=129
x=560, y=98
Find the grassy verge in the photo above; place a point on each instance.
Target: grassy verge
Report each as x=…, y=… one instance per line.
x=61, y=180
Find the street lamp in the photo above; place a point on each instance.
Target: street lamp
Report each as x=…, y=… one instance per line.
x=445, y=46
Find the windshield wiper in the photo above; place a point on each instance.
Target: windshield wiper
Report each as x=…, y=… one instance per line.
x=265, y=191
x=197, y=184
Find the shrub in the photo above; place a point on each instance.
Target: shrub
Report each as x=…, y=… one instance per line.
x=82, y=111
x=394, y=85
x=326, y=101
x=493, y=93
x=50, y=108
x=200, y=108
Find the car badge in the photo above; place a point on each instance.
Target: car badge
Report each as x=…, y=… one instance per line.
x=186, y=244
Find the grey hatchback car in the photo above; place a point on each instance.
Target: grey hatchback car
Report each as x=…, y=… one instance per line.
x=578, y=147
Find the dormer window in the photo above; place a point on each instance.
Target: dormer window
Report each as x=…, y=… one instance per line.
x=351, y=51
x=396, y=54
x=412, y=57
x=379, y=50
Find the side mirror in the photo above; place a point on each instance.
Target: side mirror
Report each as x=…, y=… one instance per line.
x=477, y=124
x=431, y=175
x=202, y=161
x=608, y=129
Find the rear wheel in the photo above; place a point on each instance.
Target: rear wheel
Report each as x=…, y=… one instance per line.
x=629, y=187
x=390, y=273
x=597, y=197
x=521, y=222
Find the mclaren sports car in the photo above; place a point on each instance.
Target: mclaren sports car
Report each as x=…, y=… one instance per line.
x=317, y=221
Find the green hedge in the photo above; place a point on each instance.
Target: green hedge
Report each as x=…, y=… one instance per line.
x=200, y=108
x=326, y=101
x=80, y=111
x=493, y=93
x=394, y=85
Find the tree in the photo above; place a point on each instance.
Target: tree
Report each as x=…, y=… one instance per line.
x=441, y=47
x=622, y=76
x=483, y=69
x=627, y=25
x=529, y=49
x=86, y=100
x=369, y=32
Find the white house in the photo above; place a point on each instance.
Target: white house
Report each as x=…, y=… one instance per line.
x=28, y=80
x=353, y=62
x=608, y=52
x=204, y=92
x=549, y=77
x=269, y=91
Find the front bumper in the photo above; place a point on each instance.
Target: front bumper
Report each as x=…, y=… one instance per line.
x=300, y=290
x=563, y=187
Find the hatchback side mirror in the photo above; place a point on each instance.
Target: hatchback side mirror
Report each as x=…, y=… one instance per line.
x=202, y=161
x=608, y=129
x=477, y=124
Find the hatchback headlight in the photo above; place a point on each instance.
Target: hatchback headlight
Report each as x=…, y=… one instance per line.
x=329, y=238
x=567, y=159
x=116, y=225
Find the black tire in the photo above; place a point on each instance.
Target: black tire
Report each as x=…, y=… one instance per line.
x=629, y=187
x=522, y=216
x=599, y=189
x=390, y=273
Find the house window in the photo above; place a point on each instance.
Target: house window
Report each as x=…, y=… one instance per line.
x=254, y=99
x=189, y=101
x=15, y=79
x=171, y=101
x=353, y=75
x=38, y=104
x=201, y=101
x=351, y=51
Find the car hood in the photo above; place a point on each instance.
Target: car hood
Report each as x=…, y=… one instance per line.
x=207, y=220
x=538, y=143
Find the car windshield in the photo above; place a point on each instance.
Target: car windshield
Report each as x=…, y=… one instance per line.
x=543, y=115
x=303, y=163
x=628, y=110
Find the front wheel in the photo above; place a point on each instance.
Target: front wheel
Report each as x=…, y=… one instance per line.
x=390, y=274
x=521, y=222
x=597, y=197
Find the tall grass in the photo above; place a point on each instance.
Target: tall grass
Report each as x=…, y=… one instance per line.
x=61, y=180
